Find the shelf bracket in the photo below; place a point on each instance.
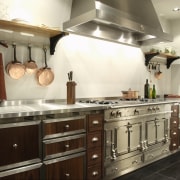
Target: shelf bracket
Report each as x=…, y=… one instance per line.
x=54, y=40
x=148, y=57
x=170, y=60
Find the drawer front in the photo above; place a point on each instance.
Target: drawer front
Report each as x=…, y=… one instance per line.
x=174, y=144
x=95, y=122
x=122, y=165
x=154, y=153
x=19, y=144
x=28, y=172
x=94, y=172
x=175, y=110
x=64, y=146
x=174, y=134
x=65, y=169
x=63, y=126
x=174, y=122
x=94, y=140
x=94, y=156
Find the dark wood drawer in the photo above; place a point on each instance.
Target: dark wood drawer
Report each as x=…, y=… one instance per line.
x=63, y=126
x=27, y=172
x=94, y=156
x=19, y=142
x=94, y=140
x=95, y=122
x=64, y=146
x=174, y=122
x=65, y=169
x=175, y=109
x=94, y=172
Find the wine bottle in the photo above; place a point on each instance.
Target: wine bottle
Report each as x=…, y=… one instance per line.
x=146, y=90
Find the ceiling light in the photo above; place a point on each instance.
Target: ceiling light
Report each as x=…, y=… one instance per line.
x=176, y=9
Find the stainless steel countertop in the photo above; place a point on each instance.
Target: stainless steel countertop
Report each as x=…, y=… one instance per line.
x=45, y=108
x=10, y=109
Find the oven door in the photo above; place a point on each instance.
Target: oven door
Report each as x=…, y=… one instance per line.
x=122, y=137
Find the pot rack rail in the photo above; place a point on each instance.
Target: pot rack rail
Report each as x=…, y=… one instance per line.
x=14, y=31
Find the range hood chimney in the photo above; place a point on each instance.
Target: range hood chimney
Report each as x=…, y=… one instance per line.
x=131, y=22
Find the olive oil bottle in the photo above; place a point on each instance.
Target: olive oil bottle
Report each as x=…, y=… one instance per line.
x=154, y=92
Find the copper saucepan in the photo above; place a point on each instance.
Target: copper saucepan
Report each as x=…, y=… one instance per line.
x=45, y=76
x=30, y=65
x=15, y=69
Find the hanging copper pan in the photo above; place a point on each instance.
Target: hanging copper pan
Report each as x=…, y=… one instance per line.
x=31, y=66
x=15, y=69
x=45, y=76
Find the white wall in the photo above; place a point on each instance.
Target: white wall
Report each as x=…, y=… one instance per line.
x=100, y=68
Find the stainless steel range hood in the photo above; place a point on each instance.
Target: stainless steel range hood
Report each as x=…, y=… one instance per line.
x=132, y=22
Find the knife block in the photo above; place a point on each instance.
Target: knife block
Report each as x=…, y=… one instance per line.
x=71, y=94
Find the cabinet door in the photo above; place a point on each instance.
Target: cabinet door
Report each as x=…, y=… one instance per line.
x=150, y=132
x=135, y=136
x=65, y=169
x=121, y=139
x=19, y=142
x=162, y=128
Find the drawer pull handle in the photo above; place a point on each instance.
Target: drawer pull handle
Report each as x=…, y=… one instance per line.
x=95, y=122
x=67, y=175
x=95, y=139
x=67, y=126
x=15, y=146
x=95, y=173
x=174, y=133
x=67, y=146
x=95, y=156
x=135, y=162
x=174, y=122
x=174, y=145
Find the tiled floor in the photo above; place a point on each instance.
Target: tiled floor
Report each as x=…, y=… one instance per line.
x=165, y=169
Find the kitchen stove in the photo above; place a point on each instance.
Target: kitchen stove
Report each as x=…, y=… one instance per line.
x=136, y=132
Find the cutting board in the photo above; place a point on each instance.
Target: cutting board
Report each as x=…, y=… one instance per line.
x=2, y=81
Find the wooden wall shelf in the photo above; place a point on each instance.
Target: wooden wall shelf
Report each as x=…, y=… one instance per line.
x=53, y=34
x=169, y=58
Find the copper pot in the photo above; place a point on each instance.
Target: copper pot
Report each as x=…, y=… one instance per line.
x=15, y=69
x=45, y=75
x=130, y=94
x=31, y=66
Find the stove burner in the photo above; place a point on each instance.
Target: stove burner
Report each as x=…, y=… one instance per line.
x=99, y=102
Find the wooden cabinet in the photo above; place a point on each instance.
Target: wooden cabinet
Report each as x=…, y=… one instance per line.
x=94, y=146
x=20, y=152
x=64, y=145
x=174, y=128
x=19, y=144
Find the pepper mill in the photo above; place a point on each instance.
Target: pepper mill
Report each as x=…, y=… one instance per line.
x=71, y=93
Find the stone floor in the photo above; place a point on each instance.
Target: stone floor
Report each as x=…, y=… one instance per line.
x=165, y=169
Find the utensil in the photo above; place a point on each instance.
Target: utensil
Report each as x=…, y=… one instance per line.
x=15, y=69
x=70, y=76
x=30, y=65
x=45, y=76
x=158, y=74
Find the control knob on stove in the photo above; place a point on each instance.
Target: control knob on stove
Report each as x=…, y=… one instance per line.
x=118, y=113
x=113, y=114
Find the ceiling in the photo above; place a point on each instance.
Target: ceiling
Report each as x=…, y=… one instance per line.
x=164, y=8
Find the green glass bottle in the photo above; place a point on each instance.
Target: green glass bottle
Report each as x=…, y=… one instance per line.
x=146, y=90
x=154, y=92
